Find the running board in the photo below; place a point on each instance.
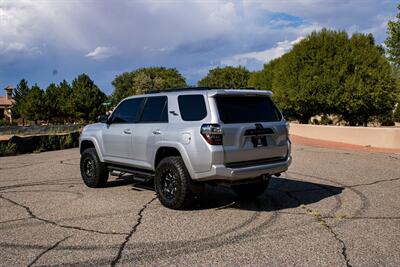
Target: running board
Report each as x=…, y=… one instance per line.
x=131, y=170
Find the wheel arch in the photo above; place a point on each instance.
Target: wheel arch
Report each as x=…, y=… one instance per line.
x=90, y=143
x=172, y=149
x=163, y=152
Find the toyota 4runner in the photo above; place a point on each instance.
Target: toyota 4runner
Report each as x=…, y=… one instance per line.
x=185, y=138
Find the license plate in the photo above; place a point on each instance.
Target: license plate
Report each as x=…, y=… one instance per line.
x=259, y=141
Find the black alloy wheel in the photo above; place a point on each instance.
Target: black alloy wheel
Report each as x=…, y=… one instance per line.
x=168, y=184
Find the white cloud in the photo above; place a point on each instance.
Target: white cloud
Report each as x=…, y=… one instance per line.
x=338, y=14
x=101, y=52
x=13, y=50
x=262, y=56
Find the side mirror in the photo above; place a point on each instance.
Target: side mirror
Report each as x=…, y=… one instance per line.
x=102, y=118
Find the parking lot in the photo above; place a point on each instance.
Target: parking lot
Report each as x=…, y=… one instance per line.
x=332, y=208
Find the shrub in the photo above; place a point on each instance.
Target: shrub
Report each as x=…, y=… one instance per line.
x=325, y=120
x=8, y=149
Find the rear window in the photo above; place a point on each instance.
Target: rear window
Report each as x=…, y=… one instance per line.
x=155, y=110
x=192, y=107
x=241, y=109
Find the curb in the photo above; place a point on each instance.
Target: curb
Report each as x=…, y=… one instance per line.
x=299, y=140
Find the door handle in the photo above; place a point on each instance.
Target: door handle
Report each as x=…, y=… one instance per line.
x=127, y=131
x=156, y=132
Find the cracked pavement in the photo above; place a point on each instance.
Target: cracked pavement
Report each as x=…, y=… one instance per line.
x=332, y=208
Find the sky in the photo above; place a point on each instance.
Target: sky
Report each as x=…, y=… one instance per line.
x=46, y=41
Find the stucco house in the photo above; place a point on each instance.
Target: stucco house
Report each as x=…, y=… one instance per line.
x=6, y=103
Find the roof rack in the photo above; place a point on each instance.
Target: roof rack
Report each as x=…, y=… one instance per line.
x=193, y=89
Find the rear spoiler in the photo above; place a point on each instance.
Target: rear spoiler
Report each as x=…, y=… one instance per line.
x=240, y=92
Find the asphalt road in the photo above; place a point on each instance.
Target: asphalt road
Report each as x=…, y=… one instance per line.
x=332, y=208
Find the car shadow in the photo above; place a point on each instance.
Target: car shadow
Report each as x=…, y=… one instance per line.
x=282, y=193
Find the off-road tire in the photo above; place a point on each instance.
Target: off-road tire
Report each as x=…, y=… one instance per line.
x=251, y=190
x=99, y=175
x=175, y=167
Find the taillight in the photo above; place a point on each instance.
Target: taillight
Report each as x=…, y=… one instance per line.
x=212, y=133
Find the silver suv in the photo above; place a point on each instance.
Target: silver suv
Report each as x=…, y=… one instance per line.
x=185, y=138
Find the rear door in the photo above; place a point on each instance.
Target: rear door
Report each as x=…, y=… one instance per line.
x=253, y=127
x=150, y=129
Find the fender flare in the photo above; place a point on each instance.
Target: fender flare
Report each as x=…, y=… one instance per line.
x=181, y=151
x=96, y=145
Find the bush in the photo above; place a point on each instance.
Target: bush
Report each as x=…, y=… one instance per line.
x=56, y=142
x=325, y=120
x=38, y=143
x=8, y=149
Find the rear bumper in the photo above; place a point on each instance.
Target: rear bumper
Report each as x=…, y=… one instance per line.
x=221, y=172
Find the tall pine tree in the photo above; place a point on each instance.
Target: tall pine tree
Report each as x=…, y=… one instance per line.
x=20, y=93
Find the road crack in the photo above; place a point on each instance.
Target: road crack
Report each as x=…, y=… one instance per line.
x=48, y=250
x=374, y=182
x=130, y=234
x=322, y=222
x=34, y=216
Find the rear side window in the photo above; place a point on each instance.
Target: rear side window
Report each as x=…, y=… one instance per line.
x=155, y=109
x=242, y=109
x=192, y=107
x=127, y=111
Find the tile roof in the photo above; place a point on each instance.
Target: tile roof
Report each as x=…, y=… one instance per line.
x=5, y=102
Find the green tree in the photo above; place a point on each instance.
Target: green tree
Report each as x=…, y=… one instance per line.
x=305, y=78
x=392, y=42
x=20, y=93
x=369, y=89
x=52, y=102
x=262, y=80
x=87, y=98
x=34, y=105
x=226, y=77
x=59, y=102
x=22, y=90
x=330, y=73
x=66, y=103
x=146, y=80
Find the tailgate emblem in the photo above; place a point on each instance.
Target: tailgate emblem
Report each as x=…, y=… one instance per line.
x=259, y=126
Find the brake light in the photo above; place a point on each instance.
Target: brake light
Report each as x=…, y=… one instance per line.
x=212, y=133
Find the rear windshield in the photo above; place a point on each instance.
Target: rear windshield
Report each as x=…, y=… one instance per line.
x=241, y=109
